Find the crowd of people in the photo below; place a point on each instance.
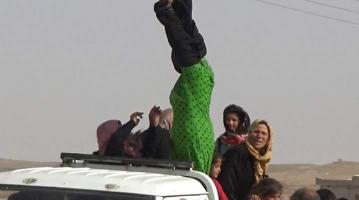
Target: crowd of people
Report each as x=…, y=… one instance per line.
x=237, y=160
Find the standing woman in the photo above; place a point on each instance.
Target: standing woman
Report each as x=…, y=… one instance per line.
x=192, y=132
x=246, y=164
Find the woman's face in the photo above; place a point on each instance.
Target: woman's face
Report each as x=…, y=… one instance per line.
x=258, y=137
x=232, y=122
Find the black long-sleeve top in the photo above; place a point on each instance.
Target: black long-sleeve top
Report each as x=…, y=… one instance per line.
x=156, y=143
x=115, y=145
x=237, y=173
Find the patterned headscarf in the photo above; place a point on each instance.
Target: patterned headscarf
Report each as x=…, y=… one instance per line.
x=262, y=158
x=104, y=134
x=166, y=119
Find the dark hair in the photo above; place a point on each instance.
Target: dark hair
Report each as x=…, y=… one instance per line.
x=216, y=157
x=305, y=194
x=267, y=186
x=241, y=114
x=132, y=141
x=326, y=194
x=342, y=198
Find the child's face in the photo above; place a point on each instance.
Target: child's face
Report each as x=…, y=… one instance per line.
x=131, y=149
x=232, y=122
x=215, y=169
x=272, y=197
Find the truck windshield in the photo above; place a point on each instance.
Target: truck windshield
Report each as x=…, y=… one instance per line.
x=44, y=193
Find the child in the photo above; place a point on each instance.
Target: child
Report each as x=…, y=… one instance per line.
x=215, y=170
x=132, y=146
x=192, y=132
x=236, y=123
x=266, y=189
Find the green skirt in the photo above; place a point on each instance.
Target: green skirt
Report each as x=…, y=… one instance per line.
x=192, y=132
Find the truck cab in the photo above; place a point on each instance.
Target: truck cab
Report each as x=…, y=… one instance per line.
x=90, y=177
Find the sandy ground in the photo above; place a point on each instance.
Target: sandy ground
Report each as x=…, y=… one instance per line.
x=304, y=175
x=7, y=165
x=293, y=176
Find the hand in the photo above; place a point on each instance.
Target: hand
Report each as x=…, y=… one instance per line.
x=136, y=117
x=154, y=116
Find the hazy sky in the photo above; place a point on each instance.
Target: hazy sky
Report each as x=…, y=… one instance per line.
x=67, y=66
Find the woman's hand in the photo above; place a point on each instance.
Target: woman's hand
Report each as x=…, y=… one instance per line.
x=136, y=117
x=154, y=116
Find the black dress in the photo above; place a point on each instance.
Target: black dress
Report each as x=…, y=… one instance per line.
x=115, y=145
x=237, y=174
x=156, y=143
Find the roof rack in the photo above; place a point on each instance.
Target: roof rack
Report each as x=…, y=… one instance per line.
x=72, y=159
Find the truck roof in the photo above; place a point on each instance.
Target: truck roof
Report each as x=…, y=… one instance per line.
x=163, y=178
x=104, y=180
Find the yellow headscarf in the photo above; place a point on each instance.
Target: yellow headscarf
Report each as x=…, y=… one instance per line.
x=262, y=158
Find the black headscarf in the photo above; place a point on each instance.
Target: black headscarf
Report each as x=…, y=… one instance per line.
x=242, y=115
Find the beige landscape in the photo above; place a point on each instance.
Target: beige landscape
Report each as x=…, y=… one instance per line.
x=303, y=175
x=293, y=176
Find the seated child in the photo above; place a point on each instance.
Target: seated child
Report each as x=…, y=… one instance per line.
x=213, y=173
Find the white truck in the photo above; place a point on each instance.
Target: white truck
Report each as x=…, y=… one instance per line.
x=89, y=177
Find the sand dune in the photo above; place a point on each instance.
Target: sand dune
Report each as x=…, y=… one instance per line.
x=293, y=176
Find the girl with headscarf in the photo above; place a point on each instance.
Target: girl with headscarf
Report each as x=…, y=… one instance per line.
x=236, y=122
x=246, y=164
x=192, y=132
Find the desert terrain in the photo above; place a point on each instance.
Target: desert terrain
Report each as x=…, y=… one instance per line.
x=295, y=176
